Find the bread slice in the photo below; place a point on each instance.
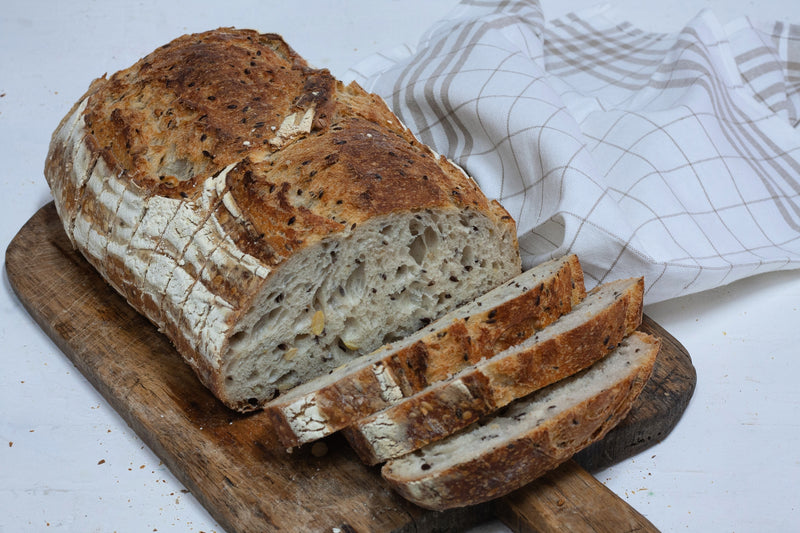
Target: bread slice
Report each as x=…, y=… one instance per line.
x=533, y=435
x=273, y=222
x=578, y=339
x=489, y=324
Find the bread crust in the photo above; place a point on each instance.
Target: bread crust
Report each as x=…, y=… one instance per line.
x=497, y=471
x=450, y=405
x=445, y=347
x=189, y=179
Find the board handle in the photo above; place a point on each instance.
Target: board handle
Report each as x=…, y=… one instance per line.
x=569, y=499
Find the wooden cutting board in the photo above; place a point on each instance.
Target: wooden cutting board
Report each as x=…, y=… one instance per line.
x=232, y=463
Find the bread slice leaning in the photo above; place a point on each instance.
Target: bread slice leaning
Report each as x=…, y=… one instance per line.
x=498, y=319
x=502, y=453
x=577, y=340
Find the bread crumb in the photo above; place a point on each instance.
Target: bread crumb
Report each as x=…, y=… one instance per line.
x=319, y=449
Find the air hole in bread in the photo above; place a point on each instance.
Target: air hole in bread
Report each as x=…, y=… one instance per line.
x=237, y=337
x=417, y=249
x=401, y=271
x=272, y=315
x=391, y=337
x=353, y=332
x=318, y=300
x=354, y=286
x=180, y=168
x=467, y=256
x=431, y=237
x=415, y=226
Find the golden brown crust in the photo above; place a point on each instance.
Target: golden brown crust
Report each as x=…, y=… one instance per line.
x=510, y=324
x=192, y=104
x=438, y=355
x=205, y=101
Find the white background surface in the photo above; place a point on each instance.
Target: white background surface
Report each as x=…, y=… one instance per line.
x=69, y=463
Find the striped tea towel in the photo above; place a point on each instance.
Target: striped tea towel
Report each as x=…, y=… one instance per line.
x=673, y=156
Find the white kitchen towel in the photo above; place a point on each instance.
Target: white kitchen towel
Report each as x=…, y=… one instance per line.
x=672, y=156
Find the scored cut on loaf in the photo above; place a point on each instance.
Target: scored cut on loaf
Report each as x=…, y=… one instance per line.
x=608, y=314
x=273, y=222
x=535, y=434
x=492, y=322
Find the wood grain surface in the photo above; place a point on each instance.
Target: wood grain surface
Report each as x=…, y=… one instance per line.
x=569, y=499
x=232, y=463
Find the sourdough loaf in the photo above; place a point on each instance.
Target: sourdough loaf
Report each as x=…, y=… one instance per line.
x=594, y=328
x=503, y=452
x=496, y=320
x=271, y=221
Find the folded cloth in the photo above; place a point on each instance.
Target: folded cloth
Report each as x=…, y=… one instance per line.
x=672, y=156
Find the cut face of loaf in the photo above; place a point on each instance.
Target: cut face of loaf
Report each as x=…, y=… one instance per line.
x=533, y=435
x=271, y=221
x=489, y=324
x=578, y=339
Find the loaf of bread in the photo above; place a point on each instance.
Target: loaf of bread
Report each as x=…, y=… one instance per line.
x=496, y=320
x=503, y=452
x=577, y=340
x=271, y=221
x=278, y=226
